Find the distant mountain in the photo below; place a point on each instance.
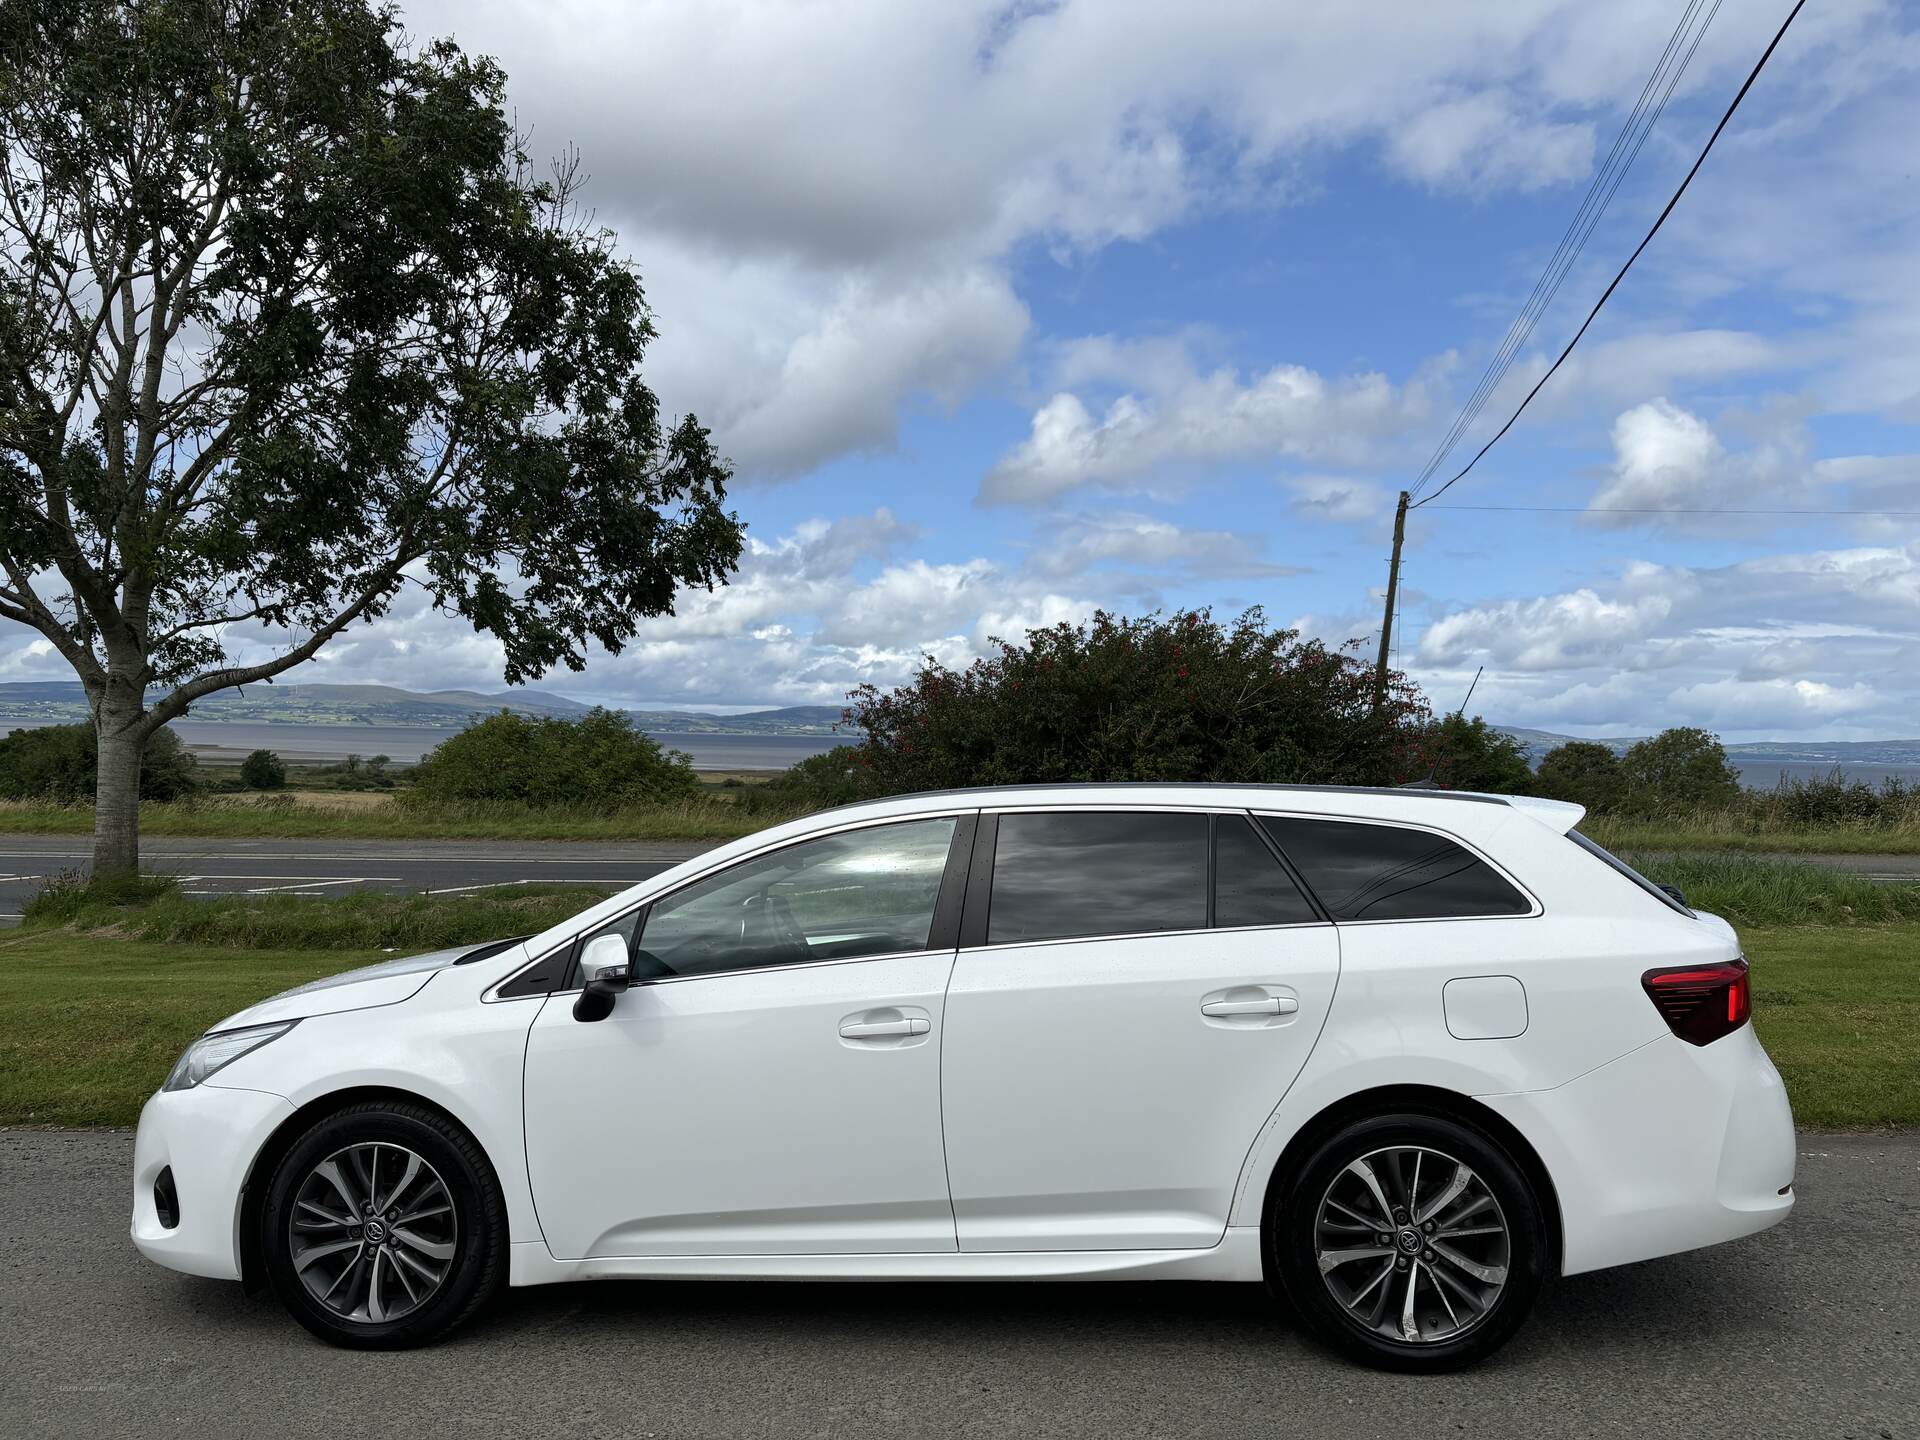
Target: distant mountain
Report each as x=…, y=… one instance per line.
x=1751, y=754
x=64, y=702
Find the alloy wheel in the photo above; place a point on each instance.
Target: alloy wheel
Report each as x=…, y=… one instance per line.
x=372, y=1232
x=1412, y=1244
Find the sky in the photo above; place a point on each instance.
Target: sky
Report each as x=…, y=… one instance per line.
x=1008, y=312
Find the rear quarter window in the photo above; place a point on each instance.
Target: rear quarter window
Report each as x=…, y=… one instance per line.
x=1361, y=871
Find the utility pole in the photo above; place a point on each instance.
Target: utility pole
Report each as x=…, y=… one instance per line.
x=1393, y=595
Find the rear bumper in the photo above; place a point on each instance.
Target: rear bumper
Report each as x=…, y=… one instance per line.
x=207, y=1137
x=1668, y=1148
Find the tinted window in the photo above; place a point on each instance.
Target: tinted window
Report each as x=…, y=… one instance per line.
x=1381, y=872
x=1057, y=876
x=861, y=892
x=1250, y=885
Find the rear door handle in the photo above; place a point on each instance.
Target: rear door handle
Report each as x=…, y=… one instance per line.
x=1270, y=1005
x=879, y=1029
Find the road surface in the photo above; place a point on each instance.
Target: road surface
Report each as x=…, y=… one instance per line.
x=1810, y=1329
x=334, y=867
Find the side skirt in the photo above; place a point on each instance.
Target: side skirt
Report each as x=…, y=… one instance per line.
x=1236, y=1257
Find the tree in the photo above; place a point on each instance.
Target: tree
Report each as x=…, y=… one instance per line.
x=58, y=763
x=597, y=760
x=1159, y=697
x=1585, y=772
x=287, y=322
x=1678, y=770
x=262, y=770
x=1472, y=755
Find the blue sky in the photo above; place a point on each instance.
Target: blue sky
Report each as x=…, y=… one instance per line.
x=1009, y=312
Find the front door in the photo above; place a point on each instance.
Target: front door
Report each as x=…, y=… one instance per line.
x=1146, y=987
x=771, y=1082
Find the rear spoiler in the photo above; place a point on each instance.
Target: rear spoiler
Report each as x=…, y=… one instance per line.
x=1559, y=816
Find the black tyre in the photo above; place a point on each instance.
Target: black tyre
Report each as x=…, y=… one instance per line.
x=384, y=1227
x=1410, y=1242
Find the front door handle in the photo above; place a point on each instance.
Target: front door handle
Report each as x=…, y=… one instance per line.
x=880, y=1029
x=1268, y=1005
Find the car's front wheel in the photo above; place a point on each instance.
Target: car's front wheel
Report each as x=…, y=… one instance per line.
x=1411, y=1242
x=383, y=1227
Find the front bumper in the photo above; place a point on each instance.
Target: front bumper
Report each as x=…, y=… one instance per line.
x=208, y=1137
x=1668, y=1148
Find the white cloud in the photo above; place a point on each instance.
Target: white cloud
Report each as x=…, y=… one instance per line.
x=1179, y=420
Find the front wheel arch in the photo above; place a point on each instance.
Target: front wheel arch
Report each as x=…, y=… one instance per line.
x=1415, y=1099
x=253, y=1193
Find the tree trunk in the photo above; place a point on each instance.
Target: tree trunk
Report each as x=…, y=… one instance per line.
x=116, y=804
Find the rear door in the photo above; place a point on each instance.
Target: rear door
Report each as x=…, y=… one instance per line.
x=1134, y=992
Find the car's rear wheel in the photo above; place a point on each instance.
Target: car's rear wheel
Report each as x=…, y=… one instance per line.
x=383, y=1227
x=1411, y=1242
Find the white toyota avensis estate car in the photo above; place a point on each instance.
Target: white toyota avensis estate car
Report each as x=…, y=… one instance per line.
x=1400, y=1053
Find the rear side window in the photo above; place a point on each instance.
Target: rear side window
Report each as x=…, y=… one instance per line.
x=1250, y=885
x=1056, y=877
x=1383, y=872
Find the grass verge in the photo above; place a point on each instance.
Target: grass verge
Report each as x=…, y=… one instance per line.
x=89, y=1023
x=216, y=818
x=1724, y=835
x=1780, y=892
x=1838, y=1010
x=367, y=921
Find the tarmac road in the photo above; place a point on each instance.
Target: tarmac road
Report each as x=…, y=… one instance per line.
x=1811, y=1329
x=334, y=867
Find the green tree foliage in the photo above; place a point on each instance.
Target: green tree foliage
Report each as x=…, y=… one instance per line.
x=1585, y=772
x=59, y=763
x=1472, y=755
x=597, y=760
x=1678, y=770
x=1160, y=697
x=262, y=770
x=288, y=313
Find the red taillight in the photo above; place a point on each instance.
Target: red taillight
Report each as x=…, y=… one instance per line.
x=1700, y=1003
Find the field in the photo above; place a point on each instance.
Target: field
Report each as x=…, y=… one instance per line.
x=99, y=999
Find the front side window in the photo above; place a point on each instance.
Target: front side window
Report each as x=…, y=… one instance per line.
x=1084, y=873
x=1384, y=872
x=840, y=897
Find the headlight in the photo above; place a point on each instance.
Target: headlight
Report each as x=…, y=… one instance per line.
x=211, y=1052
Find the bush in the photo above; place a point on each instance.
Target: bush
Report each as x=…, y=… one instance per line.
x=1677, y=771
x=818, y=782
x=1180, y=697
x=262, y=770
x=598, y=760
x=1585, y=772
x=60, y=762
x=1472, y=755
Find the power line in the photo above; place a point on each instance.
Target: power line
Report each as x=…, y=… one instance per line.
x=1600, y=192
x=1759, y=65
x=1662, y=510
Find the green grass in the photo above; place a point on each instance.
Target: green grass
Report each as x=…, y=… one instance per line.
x=1728, y=834
x=701, y=819
x=1780, y=892
x=1839, y=1011
x=89, y=1028
x=368, y=921
x=90, y=1023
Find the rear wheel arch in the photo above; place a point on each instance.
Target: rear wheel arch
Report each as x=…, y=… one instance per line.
x=253, y=1193
x=1415, y=1100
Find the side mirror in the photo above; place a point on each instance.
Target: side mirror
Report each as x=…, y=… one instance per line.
x=605, y=967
